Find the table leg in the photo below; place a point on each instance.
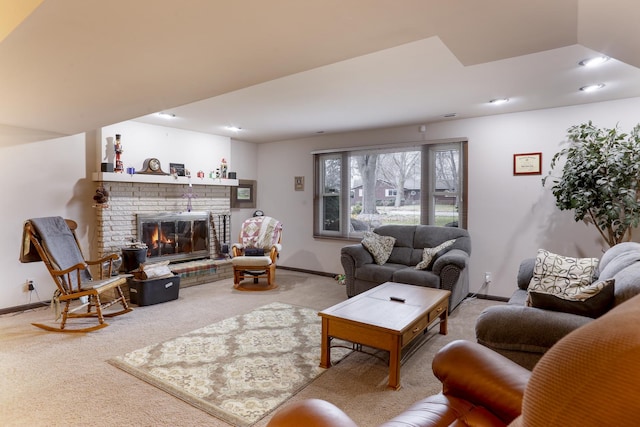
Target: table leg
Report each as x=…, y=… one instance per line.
x=325, y=345
x=394, y=364
x=443, y=321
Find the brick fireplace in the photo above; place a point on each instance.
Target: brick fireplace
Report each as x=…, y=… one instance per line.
x=117, y=223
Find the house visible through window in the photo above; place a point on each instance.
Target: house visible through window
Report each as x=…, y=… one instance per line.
x=360, y=190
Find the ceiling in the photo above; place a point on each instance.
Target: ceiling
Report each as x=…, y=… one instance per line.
x=284, y=69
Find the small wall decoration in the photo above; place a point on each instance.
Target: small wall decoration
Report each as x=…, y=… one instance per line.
x=298, y=183
x=244, y=194
x=527, y=164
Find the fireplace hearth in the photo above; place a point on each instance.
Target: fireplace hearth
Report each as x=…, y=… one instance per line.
x=174, y=236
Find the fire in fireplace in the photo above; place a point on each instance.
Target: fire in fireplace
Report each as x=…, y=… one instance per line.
x=175, y=236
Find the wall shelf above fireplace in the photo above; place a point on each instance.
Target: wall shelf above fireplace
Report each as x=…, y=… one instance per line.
x=160, y=179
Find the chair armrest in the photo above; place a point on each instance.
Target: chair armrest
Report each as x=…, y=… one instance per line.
x=311, y=413
x=520, y=328
x=456, y=257
x=481, y=376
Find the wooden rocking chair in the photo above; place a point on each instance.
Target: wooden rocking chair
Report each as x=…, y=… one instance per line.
x=53, y=241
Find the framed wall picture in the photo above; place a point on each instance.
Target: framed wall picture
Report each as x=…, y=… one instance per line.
x=298, y=183
x=527, y=164
x=177, y=169
x=244, y=194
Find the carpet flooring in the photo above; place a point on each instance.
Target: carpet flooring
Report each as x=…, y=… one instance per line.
x=54, y=379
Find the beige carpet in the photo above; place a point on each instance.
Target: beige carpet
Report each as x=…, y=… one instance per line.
x=53, y=379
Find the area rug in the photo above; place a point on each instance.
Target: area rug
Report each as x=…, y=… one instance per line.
x=239, y=369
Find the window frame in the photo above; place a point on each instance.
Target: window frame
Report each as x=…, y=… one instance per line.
x=427, y=182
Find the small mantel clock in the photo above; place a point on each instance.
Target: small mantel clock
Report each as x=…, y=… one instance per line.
x=152, y=166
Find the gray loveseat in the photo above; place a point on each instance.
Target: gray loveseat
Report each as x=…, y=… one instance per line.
x=524, y=334
x=450, y=271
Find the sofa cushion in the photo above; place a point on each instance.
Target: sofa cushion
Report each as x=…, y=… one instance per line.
x=592, y=301
x=411, y=276
x=378, y=273
x=380, y=247
x=561, y=275
x=429, y=255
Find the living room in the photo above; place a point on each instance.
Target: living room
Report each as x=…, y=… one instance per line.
x=53, y=145
x=50, y=174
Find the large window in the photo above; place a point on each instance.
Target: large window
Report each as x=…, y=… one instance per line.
x=359, y=190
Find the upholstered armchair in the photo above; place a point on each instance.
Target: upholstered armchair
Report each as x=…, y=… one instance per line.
x=256, y=252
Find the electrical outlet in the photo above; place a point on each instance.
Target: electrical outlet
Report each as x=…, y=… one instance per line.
x=487, y=277
x=30, y=285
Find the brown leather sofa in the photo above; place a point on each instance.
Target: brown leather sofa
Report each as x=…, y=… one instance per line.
x=591, y=377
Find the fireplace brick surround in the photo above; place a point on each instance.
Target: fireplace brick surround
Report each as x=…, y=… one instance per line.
x=116, y=223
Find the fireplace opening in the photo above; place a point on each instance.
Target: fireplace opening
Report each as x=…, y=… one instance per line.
x=175, y=236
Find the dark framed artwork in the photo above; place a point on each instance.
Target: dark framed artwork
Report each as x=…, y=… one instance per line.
x=244, y=194
x=177, y=169
x=527, y=164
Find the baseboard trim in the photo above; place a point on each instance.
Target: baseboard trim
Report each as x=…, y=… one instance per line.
x=19, y=308
x=302, y=270
x=488, y=297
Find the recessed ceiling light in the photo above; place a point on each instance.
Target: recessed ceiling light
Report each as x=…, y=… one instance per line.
x=592, y=88
x=592, y=62
x=166, y=115
x=233, y=128
x=499, y=101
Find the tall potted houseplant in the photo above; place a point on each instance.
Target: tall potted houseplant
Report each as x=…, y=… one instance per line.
x=600, y=179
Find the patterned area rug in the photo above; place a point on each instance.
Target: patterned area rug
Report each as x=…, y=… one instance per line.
x=239, y=369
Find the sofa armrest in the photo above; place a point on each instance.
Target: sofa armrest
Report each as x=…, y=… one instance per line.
x=525, y=273
x=357, y=254
x=311, y=413
x=485, y=378
x=456, y=257
x=520, y=328
x=353, y=257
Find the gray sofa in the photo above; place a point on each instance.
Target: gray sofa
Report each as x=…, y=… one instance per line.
x=523, y=334
x=450, y=271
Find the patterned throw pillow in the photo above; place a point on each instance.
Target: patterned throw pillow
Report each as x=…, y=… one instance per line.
x=564, y=277
x=430, y=255
x=379, y=246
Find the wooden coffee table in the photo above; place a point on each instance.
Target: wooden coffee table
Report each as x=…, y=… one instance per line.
x=375, y=319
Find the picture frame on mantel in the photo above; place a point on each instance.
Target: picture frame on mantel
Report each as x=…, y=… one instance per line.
x=527, y=164
x=244, y=194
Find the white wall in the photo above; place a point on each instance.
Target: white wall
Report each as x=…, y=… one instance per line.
x=245, y=164
x=197, y=151
x=510, y=217
x=42, y=178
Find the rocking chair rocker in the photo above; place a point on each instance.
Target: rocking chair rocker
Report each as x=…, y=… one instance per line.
x=53, y=241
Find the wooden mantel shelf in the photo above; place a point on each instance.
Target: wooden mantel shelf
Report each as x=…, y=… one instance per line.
x=160, y=179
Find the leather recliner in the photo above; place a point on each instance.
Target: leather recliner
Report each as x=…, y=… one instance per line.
x=591, y=377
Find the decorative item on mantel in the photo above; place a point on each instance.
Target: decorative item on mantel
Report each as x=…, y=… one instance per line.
x=118, y=148
x=223, y=169
x=189, y=194
x=101, y=197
